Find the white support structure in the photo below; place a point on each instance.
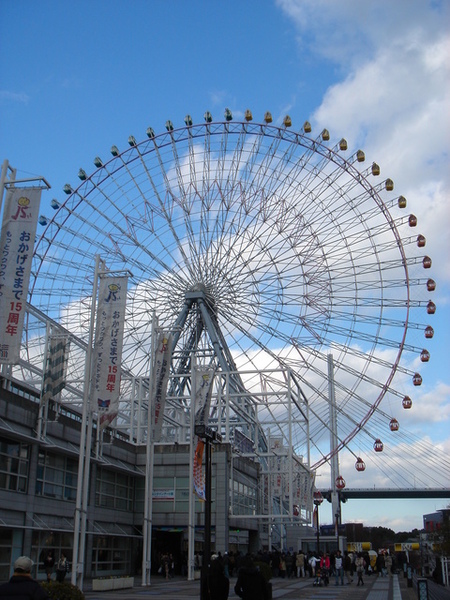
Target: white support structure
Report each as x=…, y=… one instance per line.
x=333, y=442
x=79, y=533
x=148, y=490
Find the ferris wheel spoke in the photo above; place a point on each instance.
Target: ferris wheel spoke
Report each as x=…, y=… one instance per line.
x=299, y=252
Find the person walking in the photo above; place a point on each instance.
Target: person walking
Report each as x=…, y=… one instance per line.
x=300, y=564
x=62, y=568
x=250, y=584
x=380, y=564
x=313, y=564
x=360, y=564
x=339, y=567
x=218, y=583
x=21, y=584
x=49, y=563
x=388, y=564
x=348, y=567
x=325, y=568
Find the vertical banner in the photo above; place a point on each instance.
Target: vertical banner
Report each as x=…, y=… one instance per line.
x=108, y=343
x=55, y=372
x=202, y=402
x=203, y=392
x=199, y=479
x=16, y=252
x=161, y=372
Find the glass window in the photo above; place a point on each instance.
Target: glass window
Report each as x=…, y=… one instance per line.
x=114, y=490
x=14, y=461
x=56, y=476
x=111, y=555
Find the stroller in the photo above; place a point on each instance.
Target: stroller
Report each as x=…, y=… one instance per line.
x=322, y=578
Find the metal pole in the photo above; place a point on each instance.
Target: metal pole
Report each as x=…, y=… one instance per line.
x=148, y=492
x=318, y=531
x=78, y=541
x=291, y=452
x=191, y=523
x=204, y=591
x=335, y=504
x=337, y=530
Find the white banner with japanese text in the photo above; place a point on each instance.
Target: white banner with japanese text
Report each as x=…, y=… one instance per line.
x=202, y=403
x=108, y=344
x=17, y=238
x=161, y=371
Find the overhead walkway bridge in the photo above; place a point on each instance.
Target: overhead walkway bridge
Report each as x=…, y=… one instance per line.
x=380, y=493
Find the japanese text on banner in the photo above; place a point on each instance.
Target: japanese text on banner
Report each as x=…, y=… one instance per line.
x=16, y=252
x=108, y=346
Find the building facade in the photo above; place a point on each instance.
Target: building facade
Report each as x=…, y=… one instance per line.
x=38, y=488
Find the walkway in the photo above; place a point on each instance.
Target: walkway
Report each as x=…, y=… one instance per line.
x=375, y=588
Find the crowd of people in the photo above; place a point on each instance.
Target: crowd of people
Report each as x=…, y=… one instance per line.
x=325, y=567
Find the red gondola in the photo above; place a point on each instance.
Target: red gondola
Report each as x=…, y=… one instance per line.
x=421, y=241
x=429, y=332
x=417, y=379
x=426, y=262
x=431, y=285
x=360, y=465
x=340, y=482
x=431, y=308
x=406, y=402
x=394, y=425
x=378, y=446
x=424, y=355
x=412, y=220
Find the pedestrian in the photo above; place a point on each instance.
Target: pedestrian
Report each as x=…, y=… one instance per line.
x=226, y=565
x=348, y=567
x=250, y=584
x=171, y=566
x=219, y=584
x=21, y=584
x=360, y=565
x=380, y=564
x=313, y=563
x=62, y=568
x=325, y=568
x=289, y=560
x=300, y=564
x=339, y=567
x=49, y=563
x=388, y=564
x=282, y=567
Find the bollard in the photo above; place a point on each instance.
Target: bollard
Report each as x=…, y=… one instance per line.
x=422, y=589
x=409, y=576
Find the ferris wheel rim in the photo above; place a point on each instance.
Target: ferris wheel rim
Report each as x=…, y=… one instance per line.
x=256, y=129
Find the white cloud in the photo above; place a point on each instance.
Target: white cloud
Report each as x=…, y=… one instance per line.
x=393, y=98
x=9, y=96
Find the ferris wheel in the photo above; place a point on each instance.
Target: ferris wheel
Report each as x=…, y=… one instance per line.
x=300, y=250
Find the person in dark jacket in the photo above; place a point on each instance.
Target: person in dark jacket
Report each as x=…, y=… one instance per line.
x=219, y=585
x=22, y=586
x=250, y=584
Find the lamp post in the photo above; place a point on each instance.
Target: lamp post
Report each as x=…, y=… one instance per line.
x=210, y=437
x=318, y=499
x=336, y=516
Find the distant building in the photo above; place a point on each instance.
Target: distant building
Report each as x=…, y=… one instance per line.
x=434, y=521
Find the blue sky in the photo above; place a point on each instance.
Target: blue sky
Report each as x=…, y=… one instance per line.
x=79, y=77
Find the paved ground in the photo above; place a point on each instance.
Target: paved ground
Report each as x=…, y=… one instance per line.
x=375, y=588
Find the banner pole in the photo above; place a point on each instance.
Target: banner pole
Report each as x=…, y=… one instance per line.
x=79, y=532
x=148, y=492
